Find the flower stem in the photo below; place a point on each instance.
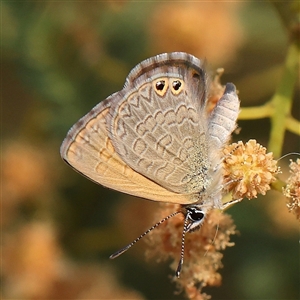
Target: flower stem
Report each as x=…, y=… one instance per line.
x=282, y=100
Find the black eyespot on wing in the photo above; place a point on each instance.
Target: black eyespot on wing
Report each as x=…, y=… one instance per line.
x=176, y=85
x=160, y=85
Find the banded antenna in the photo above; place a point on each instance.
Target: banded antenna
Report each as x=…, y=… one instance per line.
x=121, y=251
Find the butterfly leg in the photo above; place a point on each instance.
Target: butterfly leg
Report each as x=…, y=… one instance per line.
x=229, y=203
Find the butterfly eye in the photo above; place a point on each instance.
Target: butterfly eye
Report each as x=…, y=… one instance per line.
x=197, y=216
x=176, y=85
x=160, y=85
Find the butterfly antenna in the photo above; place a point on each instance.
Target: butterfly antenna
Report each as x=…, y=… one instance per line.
x=288, y=154
x=121, y=251
x=178, y=270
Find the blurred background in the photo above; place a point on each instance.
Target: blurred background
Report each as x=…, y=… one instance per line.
x=59, y=59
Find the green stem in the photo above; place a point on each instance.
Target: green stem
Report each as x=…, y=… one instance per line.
x=293, y=125
x=257, y=112
x=282, y=100
x=278, y=185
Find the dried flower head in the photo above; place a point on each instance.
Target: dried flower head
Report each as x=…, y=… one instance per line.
x=202, y=257
x=248, y=169
x=292, y=189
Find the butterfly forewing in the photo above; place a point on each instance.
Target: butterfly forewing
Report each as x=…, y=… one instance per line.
x=88, y=149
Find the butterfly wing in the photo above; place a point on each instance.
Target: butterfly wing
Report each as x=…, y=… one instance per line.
x=153, y=139
x=159, y=126
x=89, y=150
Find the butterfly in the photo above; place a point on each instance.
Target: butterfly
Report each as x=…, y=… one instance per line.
x=154, y=139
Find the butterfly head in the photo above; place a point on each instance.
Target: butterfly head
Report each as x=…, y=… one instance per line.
x=194, y=217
